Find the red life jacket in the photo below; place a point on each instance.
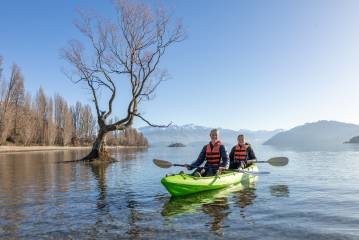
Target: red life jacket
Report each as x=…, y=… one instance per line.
x=240, y=152
x=213, y=155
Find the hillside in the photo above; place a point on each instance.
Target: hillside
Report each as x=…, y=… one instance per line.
x=317, y=134
x=353, y=140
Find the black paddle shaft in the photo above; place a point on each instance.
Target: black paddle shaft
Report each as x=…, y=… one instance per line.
x=179, y=165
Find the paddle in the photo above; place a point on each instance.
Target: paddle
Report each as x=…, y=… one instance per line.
x=276, y=161
x=167, y=164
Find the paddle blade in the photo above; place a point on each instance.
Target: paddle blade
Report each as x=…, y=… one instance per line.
x=162, y=163
x=278, y=161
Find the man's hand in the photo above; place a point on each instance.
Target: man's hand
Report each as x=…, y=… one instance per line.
x=189, y=167
x=220, y=170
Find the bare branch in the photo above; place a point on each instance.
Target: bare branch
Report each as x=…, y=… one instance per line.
x=149, y=123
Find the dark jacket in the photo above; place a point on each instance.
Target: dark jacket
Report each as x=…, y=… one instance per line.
x=250, y=156
x=202, y=157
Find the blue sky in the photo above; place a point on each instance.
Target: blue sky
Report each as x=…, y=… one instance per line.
x=245, y=64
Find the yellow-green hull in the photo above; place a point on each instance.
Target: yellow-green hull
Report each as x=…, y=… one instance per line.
x=184, y=184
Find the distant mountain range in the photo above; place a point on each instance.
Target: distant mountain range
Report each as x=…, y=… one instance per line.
x=315, y=135
x=191, y=134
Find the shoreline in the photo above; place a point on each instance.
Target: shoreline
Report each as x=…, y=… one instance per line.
x=16, y=149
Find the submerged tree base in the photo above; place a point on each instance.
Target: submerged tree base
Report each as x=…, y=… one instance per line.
x=95, y=157
x=99, y=156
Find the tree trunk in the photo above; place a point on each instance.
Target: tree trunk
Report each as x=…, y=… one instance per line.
x=98, y=151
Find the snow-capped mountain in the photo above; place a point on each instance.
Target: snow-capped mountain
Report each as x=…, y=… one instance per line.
x=192, y=134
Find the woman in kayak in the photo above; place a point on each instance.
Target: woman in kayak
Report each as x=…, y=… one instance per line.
x=215, y=156
x=240, y=154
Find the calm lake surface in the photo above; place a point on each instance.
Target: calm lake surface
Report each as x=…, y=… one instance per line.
x=316, y=196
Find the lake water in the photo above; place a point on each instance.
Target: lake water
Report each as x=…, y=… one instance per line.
x=316, y=196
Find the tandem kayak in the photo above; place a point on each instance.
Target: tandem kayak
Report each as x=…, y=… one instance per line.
x=184, y=184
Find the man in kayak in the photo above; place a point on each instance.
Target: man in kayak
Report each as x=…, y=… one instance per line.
x=241, y=153
x=215, y=156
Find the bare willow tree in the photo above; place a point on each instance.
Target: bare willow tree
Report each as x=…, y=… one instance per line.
x=51, y=127
x=11, y=98
x=18, y=100
x=127, y=49
x=28, y=123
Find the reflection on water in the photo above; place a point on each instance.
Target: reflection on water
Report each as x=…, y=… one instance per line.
x=99, y=171
x=218, y=211
x=245, y=198
x=128, y=153
x=127, y=200
x=134, y=231
x=279, y=190
x=41, y=199
x=32, y=185
x=244, y=194
x=214, y=203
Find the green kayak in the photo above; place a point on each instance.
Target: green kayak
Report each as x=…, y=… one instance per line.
x=184, y=184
